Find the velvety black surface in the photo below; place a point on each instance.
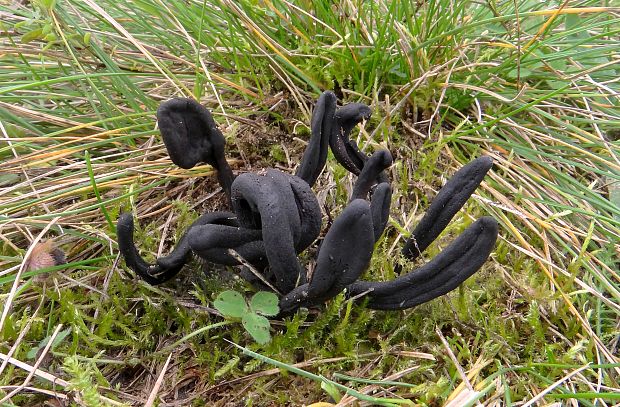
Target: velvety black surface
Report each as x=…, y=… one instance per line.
x=446, y=204
x=442, y=274
x=169, y=266
x=367, y=178
x=191, y=136
x=268, y=202
x=345, y=151
x=345, y=254
x=321, y=126
x=380, y=208
x=213, y=242
x=276, y=216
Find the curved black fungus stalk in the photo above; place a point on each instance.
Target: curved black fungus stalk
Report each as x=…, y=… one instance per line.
x=315, y=156
x=367, y=178
x=257, y=197
x=331, y=128
x=124, y=232
x=346, y=152
x=380, y=208
x=345, y=254
x=309, y=213
x=191, y=136
x=213, y=242
x=441, y=275
x=169, y=266
x=275, y=205
x=382, y=194
x=446, y=204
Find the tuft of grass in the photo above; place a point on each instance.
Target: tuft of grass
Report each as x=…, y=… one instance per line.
x=534, y=85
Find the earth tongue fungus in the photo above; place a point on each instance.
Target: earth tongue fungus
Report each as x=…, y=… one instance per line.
x=275, y=216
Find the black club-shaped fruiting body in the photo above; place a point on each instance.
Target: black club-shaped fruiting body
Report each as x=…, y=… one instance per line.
x=276, y=216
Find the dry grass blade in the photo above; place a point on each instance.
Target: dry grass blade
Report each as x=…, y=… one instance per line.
x=17, y=343
x=37, y=372
x=160, y=379
x=459, y=368
x=553, y=386
x=32, y=372
x=462, y=398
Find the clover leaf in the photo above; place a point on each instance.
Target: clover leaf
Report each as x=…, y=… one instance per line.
x=257, y=326
x=232, y=304
x=265, y=303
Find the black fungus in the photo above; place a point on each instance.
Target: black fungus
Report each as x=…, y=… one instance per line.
x=276, y=216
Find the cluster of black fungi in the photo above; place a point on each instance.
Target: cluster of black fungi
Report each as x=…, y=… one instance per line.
x=276, y=216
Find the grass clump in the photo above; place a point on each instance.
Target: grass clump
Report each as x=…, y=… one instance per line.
x=534, y=85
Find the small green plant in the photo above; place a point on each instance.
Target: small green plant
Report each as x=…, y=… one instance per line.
x=42, y=27
x=233, y=305
x=34, y=352
x=83, y=381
